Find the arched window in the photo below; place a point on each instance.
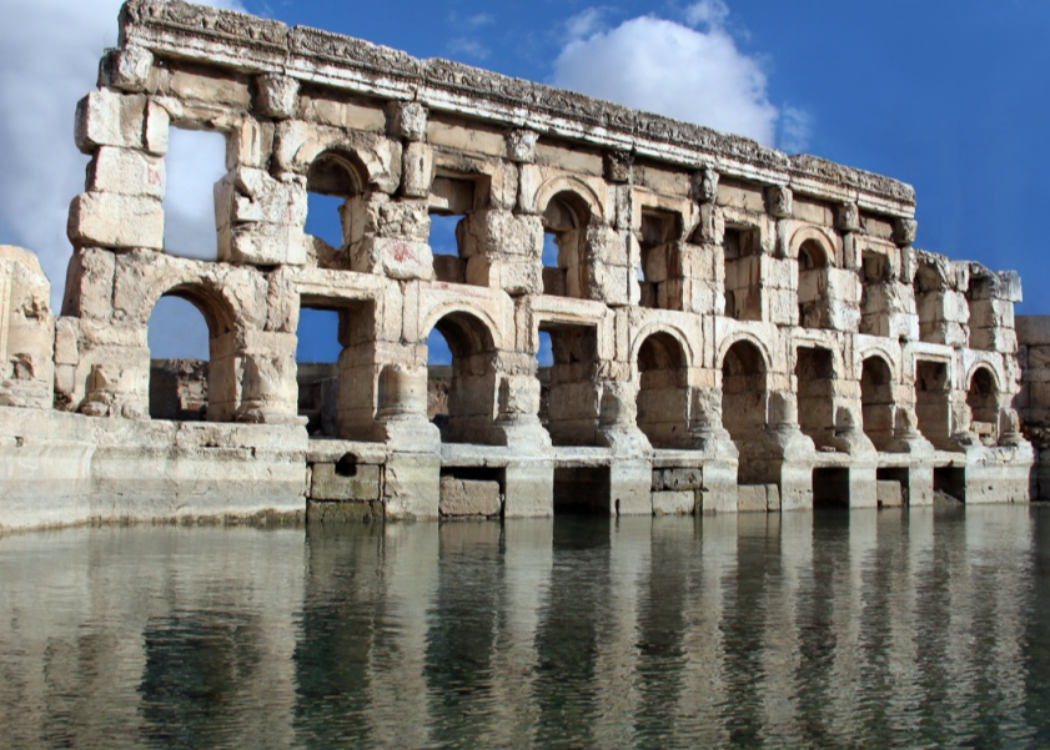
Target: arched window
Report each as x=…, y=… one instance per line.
x=565, y=221
x=877, y=402
x=663, y=394
x=983, y=399
x=743, y=391
x=813, y=303
x=332, y=181
x=461, y=366
x=192, y=372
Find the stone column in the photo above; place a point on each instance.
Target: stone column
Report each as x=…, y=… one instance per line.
x=630, y=472
x=413, y=467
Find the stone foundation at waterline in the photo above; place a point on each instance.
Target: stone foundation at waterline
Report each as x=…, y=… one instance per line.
x=731, y=328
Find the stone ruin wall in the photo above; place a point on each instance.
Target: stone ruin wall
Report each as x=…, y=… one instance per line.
x=732, y=328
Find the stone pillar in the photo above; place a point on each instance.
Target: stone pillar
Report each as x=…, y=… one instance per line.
x=529, y=481
x=793, y=453
x=630, y=473
x=721, y=457
x=27, y=332
x=413, y=467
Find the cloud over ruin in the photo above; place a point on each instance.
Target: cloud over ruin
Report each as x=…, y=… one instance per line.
x=691, y=70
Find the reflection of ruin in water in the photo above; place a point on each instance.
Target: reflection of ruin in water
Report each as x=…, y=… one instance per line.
x=919, y=627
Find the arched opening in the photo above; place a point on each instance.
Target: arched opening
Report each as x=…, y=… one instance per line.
x=933, y=402
x=565, y=221
x=569, y=400
x=659, y=271
x=332, y=182
x=877, y=403
x=192, y=375
x=743, y=392
x=663, y=394
x=813, y=264
x=815, y=373
x=462, y=377
x=983, y=400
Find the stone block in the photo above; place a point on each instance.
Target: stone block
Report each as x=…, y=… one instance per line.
x=158, y=123
x=262, y=244
x=397, y=258
x=681, y=502
x=127, y=69
x=109, y=118
x=888, y=493
x=681, y=479
x=355, y=482
x=502, y=233
x=126, y=172
x=277, y=96
x=751, y=498
x=117, y=221
x=521, y=145
x=408, y=120
x=469, y=497
x=417, y=170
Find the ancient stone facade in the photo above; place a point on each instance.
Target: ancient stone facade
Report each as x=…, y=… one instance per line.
x=732, y=328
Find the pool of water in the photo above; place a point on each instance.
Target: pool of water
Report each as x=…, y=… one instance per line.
x=926, y=628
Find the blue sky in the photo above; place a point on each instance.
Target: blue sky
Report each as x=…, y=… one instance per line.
x=951, y=98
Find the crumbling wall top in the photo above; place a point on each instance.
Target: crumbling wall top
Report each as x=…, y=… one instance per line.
x=254, y=45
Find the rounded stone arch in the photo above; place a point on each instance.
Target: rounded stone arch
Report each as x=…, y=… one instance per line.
x=470, y=401
x=813, y=237
x=744, y=367
x=334, y=168
x=580, y=192
x=746, y=336
x=878, y=404
x=983, y=397
x=484, y=326
x=676, y=333
x=221, y=309
x=874, y=350
x=992, y=370
x=661, y=362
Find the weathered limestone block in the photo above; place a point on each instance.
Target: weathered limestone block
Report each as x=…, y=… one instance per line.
x=847, y=218
x=408, y=120
x=277, y=96
x=127, y=68
x=393, y=257
x=705, y=185
x=417, y=171
x=329, y=483
x=469, y=497
x=27, y=331
x=260, y=219
x=499, y=233
x=779, y=201
x=117, y=221
x=904, y=231
x=89, y=284
x=681, y=502
x=126, y=172
x=250, y=144
x=109, y=118
x=521, y=145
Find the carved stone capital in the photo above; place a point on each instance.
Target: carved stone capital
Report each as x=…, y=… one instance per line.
x=619, y=166
x=277, y=97
x=521, y=145
x=847, y=218
x=779, y=201
x=408, y=120
x=705, y=185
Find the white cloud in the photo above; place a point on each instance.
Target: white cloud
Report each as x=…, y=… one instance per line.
x=710, y=13
x=694, y=74
x=467, y=47
x=49, y=52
